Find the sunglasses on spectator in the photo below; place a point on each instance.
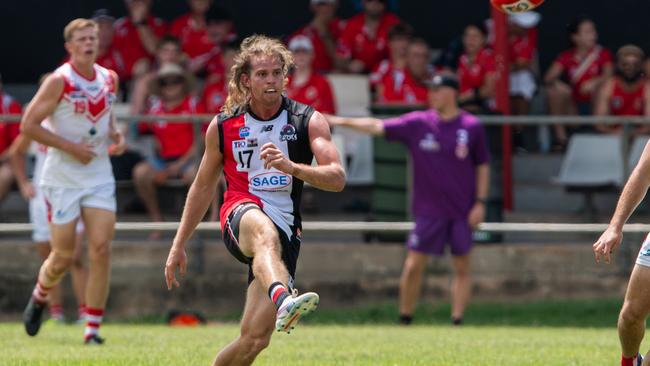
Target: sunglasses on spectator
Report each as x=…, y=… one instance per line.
x=171, y=81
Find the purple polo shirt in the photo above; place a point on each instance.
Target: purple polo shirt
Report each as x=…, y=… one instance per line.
x=444, y=155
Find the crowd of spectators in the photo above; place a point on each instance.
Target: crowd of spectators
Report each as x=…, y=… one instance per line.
x=183, y=67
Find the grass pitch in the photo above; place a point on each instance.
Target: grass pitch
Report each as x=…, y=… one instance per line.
x=550, y=333
x=317, y=345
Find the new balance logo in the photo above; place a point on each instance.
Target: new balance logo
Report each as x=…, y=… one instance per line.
x=267, y=128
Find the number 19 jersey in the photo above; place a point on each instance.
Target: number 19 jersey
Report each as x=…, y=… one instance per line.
x=241, y=136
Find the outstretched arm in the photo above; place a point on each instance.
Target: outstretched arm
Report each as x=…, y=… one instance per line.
x=633, y=192
x=369, y=125
x=199, y=197
x=328, y=175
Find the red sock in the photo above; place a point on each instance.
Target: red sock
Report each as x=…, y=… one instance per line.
x=627, y=361
x=56, y=311
x=40, y=293
x=93, y=322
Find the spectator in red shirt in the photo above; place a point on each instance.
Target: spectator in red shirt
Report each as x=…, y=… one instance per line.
x=216, y=91
x=324, y=31
x=136, y=36
x=476, y=70
x=8, y=132
x=191, y=29
x=221, y=30
x=576, y=74
x=365, y=39
x=523, y=53
x=174, y=157
x=627, y=93
x=108, y=56
x=305, y=85
x=408, y=86
x=399, y=37
x=167, y=52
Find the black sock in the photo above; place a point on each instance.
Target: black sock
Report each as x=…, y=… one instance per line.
x=405, y=319
x=457, y=321
x=278, y=292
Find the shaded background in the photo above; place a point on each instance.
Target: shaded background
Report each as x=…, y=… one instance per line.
x=32, y=29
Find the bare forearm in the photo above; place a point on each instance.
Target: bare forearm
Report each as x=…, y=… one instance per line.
x=482, y=181
x=45, y=137
x=633, y=193
x=198, y=201
x=326, y=177
x=369, y=125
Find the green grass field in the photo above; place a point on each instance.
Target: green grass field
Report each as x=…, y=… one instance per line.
x=571, y=333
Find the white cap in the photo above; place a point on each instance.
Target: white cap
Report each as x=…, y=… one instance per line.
x=301, y=42
x=527, y=19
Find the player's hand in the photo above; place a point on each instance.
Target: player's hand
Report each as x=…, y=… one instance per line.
x=82, y=152
x=176, y=259
x=476, y=215
x=119, y=144
x=274, y=158
x=27, y=191
x=606, y=244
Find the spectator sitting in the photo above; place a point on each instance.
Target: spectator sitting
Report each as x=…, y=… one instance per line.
x=399, y=37
x=191, y=30
x=108, y=56
x=8, y=132
x=576, y=74
x=305, y=85
x=364, y=43
x=523, y=50
x=216, y=91
x=175, y=153
x=136, y=37
x=168, y=52
x=220, y=30
x=408, y=86
x=476, y=70
x=323, y=31
x=627, y=93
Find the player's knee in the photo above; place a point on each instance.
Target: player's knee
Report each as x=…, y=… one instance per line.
x=631, y=313
x=142, y=172
x=255, y=343
x=99, y=251
x=59, y=263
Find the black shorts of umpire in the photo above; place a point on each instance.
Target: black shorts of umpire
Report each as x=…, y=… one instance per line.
x=290, y=246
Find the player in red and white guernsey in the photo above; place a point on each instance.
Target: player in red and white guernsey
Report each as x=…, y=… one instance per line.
x=627, y=92
x=77, y=178
x=265, y=144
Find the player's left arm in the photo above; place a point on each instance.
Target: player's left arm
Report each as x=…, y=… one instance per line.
x=119, y=141
x=328, y=175
x=477, y=213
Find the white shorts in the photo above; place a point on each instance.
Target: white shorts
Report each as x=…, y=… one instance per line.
x=38, y=218
x=643, y=259
x=64, y=204
x=522, y=84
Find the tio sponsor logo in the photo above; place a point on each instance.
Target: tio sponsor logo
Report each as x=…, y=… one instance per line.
x=238, y=144
x=273, y=181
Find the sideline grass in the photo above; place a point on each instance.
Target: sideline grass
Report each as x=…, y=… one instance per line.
x=364, y=345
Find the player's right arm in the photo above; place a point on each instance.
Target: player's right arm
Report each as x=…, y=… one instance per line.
x=17, y=153
x=633, y=192
x=43, y=105
x=199, y=197
x=369, y=125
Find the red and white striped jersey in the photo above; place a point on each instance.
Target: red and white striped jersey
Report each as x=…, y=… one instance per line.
x=241, y=136
x=82, y=115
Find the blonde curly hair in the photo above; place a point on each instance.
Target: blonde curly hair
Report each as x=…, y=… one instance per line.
x=255, y=45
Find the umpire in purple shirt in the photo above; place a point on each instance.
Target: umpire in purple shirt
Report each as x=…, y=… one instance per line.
x=449, y=154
